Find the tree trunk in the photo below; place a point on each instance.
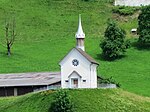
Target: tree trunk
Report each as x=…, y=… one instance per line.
x=8, y=50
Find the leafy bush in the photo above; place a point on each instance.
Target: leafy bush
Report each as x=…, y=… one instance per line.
x=86, y=0
x=108, y=81
x=125, y=10
x=114, y=44
x=62, y=102
x=144, y=25
x=105, y=1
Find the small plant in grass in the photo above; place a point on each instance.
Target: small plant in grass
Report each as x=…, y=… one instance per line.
x=62, y=102
x=144, y=26
x=114, y=44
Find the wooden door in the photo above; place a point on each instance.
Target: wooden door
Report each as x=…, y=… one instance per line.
x=75, y=83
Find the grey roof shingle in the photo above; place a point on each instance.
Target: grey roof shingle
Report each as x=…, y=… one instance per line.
x=88, y=57
x=29, y=79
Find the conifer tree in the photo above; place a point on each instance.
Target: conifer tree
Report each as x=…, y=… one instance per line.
x=114, y=44
x=144, y=25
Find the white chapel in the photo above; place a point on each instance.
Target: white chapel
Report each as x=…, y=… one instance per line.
x=78, y=69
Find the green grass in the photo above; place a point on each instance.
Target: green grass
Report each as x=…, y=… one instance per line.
x=110, y=100
x=46, y=32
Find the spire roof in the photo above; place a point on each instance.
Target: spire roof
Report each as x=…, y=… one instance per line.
x=80, y=33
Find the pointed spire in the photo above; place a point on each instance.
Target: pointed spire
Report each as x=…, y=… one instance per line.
x=80, y=33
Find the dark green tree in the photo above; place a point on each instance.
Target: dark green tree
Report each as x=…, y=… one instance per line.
x=62, y=102
x=144, y=25
x=114, y=44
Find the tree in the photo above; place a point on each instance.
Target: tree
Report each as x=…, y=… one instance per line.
x=114, y=44
x=144, y=25
x=9, y=36
x=62, y=102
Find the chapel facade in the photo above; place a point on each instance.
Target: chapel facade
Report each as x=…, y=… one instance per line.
x=78, y=69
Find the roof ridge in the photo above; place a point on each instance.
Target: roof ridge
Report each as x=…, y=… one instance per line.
x=87, y=56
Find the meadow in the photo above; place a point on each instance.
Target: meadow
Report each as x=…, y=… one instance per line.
x=46, y=32
x=110, y=100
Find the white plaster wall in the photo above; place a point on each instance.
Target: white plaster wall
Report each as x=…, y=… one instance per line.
x=83, y=69
x=132, y=2
x=94, y=76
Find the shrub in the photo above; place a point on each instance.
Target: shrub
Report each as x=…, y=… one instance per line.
x=86, y=0
x=105, y=1
x=125, y=10
x=114, y=44
x=62, y=102
x=144, y=25
x=108, y=81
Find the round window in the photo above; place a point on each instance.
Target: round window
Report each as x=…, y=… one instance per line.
x=75, y=62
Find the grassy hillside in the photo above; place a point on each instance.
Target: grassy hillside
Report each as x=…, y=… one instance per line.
x=110, y=100
x=46, y=32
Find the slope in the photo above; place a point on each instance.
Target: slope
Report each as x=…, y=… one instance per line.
x=94, y=100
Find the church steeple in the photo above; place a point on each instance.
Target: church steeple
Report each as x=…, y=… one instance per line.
x=80, y=36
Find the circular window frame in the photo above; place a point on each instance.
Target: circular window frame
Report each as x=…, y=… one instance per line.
x=75, y=62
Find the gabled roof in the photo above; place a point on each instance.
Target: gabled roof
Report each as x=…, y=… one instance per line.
x=88, y=57
x=84, y=54
x=75, y=73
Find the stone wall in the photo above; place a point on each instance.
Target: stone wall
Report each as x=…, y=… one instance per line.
x=132, y=2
